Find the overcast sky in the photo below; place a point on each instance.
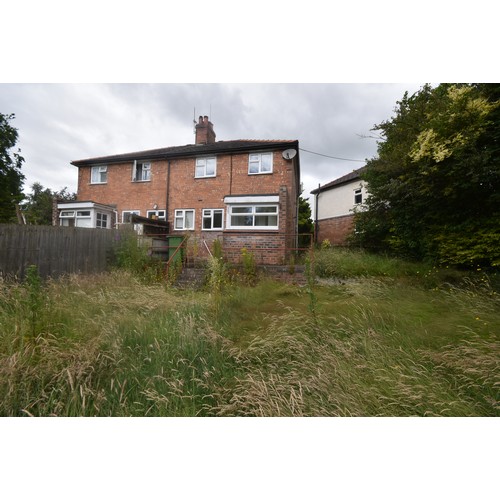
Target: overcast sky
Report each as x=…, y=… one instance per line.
x=58, y=123
x=226, y=41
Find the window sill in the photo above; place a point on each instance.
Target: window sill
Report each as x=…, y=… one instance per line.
x=251, y=229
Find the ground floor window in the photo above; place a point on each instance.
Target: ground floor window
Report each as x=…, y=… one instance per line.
x=101, y=220
x=78, y=218
x=156, y=214
x=184, y=220
x=213, y=219
x=253, y=217
x=127, y=215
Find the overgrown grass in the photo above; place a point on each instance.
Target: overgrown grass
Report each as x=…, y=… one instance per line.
x=374, y=344
x=344, y=263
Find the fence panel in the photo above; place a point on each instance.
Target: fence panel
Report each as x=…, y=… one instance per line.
x=54, y=250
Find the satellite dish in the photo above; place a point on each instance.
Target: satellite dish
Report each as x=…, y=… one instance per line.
x=288, y=154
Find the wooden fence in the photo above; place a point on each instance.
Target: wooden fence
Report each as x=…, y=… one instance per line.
x=55, y=250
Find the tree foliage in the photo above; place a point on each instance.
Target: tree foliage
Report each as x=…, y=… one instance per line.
x=37, y=209
x=305, y=224
x=435, y=184
x=11, y=178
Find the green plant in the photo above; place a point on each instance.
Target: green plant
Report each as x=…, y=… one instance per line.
x=131, y=255
x=35, y=300
x=217, y=279
x=249, y=266
x=217, y=249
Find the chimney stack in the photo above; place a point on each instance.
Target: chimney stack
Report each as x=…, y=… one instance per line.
x=204, y=131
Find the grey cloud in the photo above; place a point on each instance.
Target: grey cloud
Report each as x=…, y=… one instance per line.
x=58, y=123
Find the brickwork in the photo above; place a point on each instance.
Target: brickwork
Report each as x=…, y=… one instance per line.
x=336, y=229
x=120, y=191
x=185, y=191
x=266, y=247
x=173, y=186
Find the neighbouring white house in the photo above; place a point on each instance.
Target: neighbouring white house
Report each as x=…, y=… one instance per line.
x=335, y=203
x=86, y=214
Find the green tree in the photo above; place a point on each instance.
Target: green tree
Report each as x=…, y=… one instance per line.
x=305, y=223
x=37, y=209
x=11, y=178
x=435, y=184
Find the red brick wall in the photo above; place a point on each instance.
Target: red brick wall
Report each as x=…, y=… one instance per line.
x=122, y=192
x=336, y=229
x=188, y=192
x=266, y=247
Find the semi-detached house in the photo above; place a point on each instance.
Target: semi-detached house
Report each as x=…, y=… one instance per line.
x=335, y=203
x=242, y=192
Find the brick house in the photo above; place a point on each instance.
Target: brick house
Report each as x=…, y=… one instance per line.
x=334, y=203
x=242, y=192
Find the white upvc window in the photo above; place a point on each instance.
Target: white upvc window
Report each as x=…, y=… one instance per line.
x=358, y=196
x=67, y=218
x=99, y=175
x=78, y=218
x=156, y=214
x=184, y=220
x=101, y=220
x=141, y=171
x=253, y=217
x=206, y=167
x=213, y=219
x=127, y=215
x=260, y=163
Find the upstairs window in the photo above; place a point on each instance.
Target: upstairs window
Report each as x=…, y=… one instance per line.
x=260, y=163
x=141, y=171
x=358, y=196
x=205, y=167
x=99, y=175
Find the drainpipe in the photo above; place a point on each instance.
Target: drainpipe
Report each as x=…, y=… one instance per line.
x=168, y=191
x=231, y=175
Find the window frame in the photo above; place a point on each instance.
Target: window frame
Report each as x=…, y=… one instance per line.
x=157, y=213
x=254, y=214
x=143, y=170
x=100, y=169
x=259, y=162
x=98, y=223
x=181, y=214
x=204, y=159
x=358, y=192
x=205, y=216
x=131, y=212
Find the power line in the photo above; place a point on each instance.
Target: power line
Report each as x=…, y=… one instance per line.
x=328, y=156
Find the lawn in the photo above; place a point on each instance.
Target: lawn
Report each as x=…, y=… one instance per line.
x=367, y=338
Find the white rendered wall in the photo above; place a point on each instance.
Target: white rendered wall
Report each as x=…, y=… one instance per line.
x=339, y=200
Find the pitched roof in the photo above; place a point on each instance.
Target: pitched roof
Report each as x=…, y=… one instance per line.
x=351, y=176
x=190, y=150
